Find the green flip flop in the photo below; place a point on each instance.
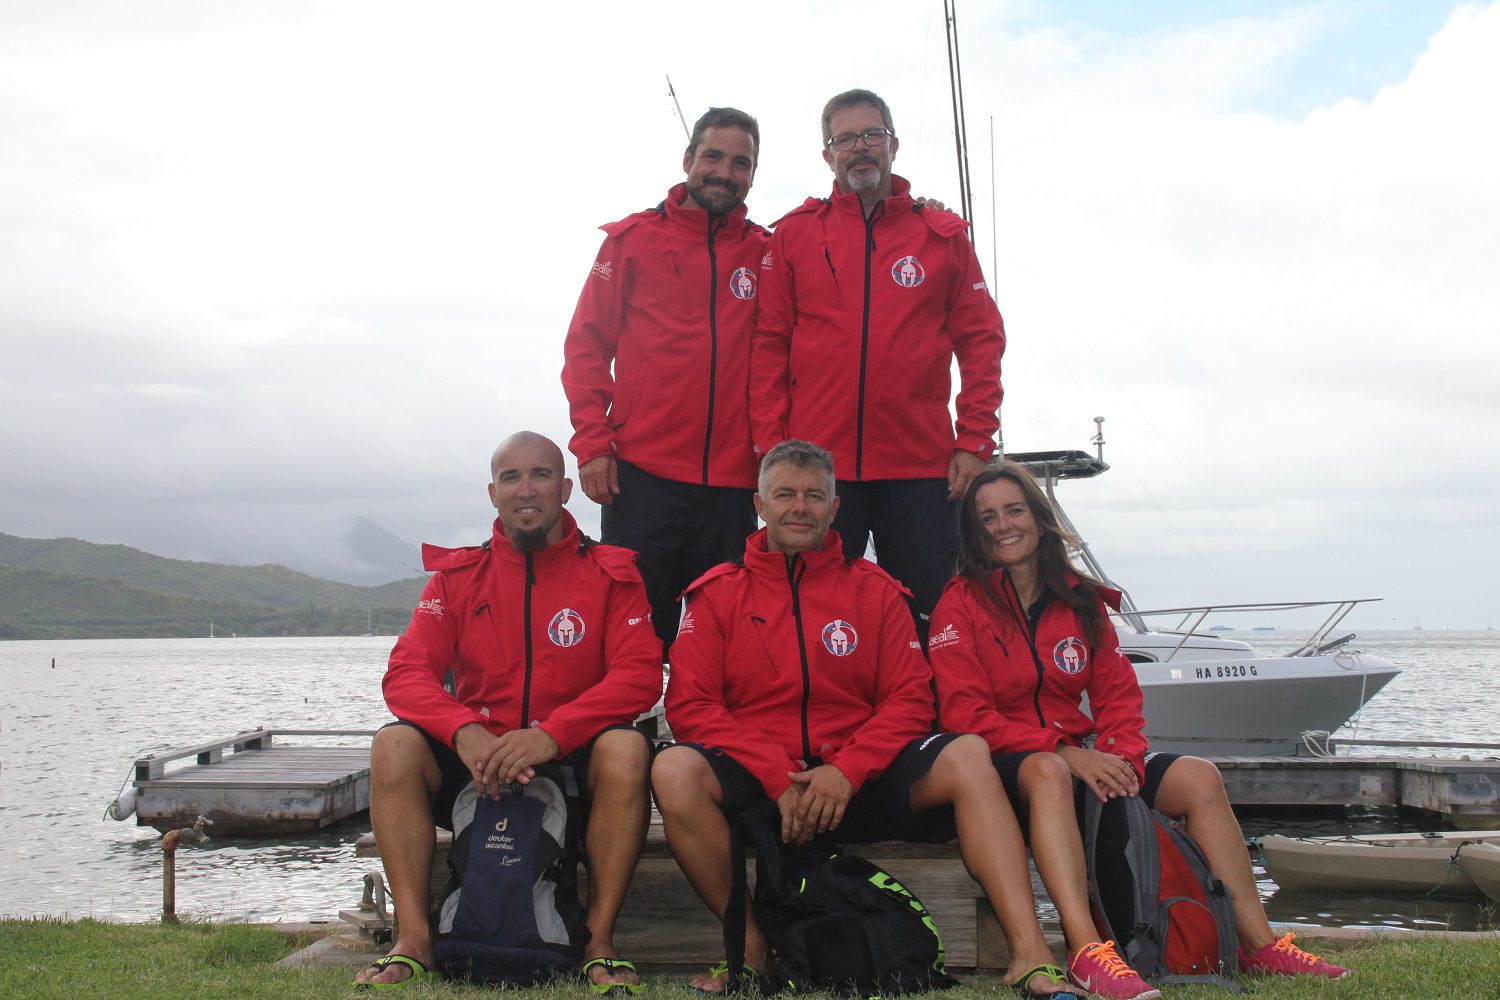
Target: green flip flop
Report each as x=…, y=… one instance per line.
x=418, y=971
x=611, y=989
x=1052, y=972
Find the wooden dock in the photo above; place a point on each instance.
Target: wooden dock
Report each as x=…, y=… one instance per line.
x=248, y=785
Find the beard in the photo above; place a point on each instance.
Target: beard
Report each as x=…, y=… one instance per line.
x=715, y=196
x=525, y=540
x=864, y=181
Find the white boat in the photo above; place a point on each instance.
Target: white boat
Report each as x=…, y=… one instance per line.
x=1398, y=862
x=1208, y=694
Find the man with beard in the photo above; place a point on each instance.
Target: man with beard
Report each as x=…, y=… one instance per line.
x=546, y=634
x=866, y=298
x=656, y=365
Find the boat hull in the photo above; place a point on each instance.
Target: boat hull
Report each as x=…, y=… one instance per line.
x=1410, y=862
x=1481, y=862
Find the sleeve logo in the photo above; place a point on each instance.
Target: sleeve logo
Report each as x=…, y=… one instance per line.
x=946, y=637
x=433, y=607
x=603, y=269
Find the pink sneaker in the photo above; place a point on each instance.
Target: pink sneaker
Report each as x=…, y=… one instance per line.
x=1282, y=958
x=1099, y=971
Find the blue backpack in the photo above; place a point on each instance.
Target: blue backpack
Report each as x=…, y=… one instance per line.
x=510, y=913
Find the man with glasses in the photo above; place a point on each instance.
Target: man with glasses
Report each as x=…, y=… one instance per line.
x=866, y=297
x=656, y=363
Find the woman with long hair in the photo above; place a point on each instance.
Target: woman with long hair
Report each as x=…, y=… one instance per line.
x=1018, y=638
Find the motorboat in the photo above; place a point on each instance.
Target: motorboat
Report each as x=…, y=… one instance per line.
x=1436, y=863
x=1206, y=693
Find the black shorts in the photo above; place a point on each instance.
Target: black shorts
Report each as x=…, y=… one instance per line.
x=881, y=810
x=455, y=773
x=1009, y=767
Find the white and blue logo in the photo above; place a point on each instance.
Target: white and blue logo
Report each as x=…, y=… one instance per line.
x=907, y=272
x=839, y=637
x=1071, y=655
x=566, y=628
x=742, y=283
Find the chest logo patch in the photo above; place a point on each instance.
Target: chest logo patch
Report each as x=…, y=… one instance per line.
x=1071, y=655
x=742, y=283
x=566, y=628
x=839, y=637
x=907, y=272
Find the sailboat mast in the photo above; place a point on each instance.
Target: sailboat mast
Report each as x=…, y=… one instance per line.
x=960, y=127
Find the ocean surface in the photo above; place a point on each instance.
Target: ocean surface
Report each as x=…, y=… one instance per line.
x=74, y=715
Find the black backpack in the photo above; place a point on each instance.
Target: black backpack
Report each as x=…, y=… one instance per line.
x=1152, y=892
x=509, y=913
x=835, y=922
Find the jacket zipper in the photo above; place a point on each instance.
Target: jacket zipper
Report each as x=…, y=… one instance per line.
x=1025, y=622
x=526, y=631
x=864, y=346
x=794, y=580
x=715, y=223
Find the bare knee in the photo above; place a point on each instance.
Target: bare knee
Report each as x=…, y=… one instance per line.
x=1045, y=777
x=682, y=780
x=619, y=759
x=400, y=757
x=1191, y=786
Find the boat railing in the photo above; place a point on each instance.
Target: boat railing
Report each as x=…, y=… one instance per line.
x=1190, y=619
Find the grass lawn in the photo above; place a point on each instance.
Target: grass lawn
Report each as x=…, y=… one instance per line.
x=71, y=960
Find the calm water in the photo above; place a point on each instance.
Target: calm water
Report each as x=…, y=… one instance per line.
x=69, y=733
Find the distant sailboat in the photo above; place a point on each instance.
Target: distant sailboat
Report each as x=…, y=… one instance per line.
x=1418, y=626
x=369, y=621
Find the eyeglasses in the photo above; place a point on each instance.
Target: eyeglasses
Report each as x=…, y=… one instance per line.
x=870, y=137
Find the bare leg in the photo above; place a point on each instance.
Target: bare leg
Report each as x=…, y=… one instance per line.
x=619, y=812
x=404, y=779
x=990, y=842
x=1056, y=845
x=689, y=797
x=1193, y=791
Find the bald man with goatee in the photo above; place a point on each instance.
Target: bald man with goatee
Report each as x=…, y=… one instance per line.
x=563, y=682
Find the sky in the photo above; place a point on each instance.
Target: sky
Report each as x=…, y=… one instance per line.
x=270, y=270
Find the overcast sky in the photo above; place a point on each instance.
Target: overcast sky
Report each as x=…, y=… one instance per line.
x=269, y=267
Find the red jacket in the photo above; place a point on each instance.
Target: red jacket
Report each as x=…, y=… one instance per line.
x=1025, y=693
x=670, y=303
x=573, y=647
x=857, y=330
x=777, y=666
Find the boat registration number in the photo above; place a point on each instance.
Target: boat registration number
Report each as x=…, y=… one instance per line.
x=1224, y=672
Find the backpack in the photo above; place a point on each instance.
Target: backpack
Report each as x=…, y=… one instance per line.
x=835, y=922
x=509, y=913
x=1152, y=892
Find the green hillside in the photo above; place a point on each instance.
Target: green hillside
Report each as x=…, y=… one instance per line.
x=64, y=588
x=37, y=604
x=267, y=586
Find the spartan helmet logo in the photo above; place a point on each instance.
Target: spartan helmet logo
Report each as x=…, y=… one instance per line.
x=1070, y=655
x=907, y=272
x=742, y=283
x=566, y=628
x=839, y=637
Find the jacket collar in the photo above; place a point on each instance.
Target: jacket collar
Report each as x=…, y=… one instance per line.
x=898, y=201
x=569, y=544
x=696, y=220
x=761, y=561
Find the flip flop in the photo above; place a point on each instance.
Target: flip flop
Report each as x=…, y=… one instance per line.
x=418, y=971
x=611, y=989
x=762, y=983
x=1052, y=972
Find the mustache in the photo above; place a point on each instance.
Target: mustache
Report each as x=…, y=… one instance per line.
x=862, y=160
x=720, y=182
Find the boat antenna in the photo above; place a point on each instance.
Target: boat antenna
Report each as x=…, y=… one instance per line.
x=678, y=106
x=1098, y=439
x=960, y=131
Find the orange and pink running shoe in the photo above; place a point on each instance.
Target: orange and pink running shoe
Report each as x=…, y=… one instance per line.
x=1099, y=971
x=1282, y=958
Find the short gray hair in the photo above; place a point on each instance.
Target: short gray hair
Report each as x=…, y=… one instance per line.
x=853, y=98
x=799, y=455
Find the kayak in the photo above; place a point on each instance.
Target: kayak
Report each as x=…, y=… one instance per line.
x=1398, y=862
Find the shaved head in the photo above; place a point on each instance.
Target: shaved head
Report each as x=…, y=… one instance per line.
x=528, y=490
x=522, y=438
